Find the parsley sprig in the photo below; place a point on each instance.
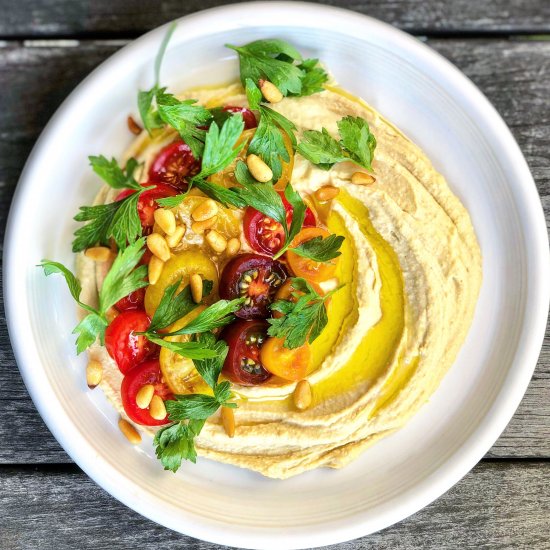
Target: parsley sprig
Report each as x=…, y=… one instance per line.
x=357, y=144
x=111, y=173
x=320, y=249
x=123, y=277
x=303, y=319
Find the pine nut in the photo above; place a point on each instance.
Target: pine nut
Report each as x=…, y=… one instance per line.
x=326, y=193
x=201, y=227
x=155, y=270
x=228, y=421
x=94, y=373
x=98, y=253
x=204, y=211
x=362, y=178
x=176, y=237
x=157, y=409
x=166, y=220
x=233, y=246
x=217, y=241
x=158, y=246
x=259, y=169
x=195, y=282
x=302, y=395
x=270, y=91
x=144, y=396
x=131, y=434
x=133, y=126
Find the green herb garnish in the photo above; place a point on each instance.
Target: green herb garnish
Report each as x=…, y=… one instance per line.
x=111, y=173
x=320, y=249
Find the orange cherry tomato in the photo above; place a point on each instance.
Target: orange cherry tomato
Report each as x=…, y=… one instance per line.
x=304, y=267
x=290, y=364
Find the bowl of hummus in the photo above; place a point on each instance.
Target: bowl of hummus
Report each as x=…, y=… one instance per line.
x=310, y=276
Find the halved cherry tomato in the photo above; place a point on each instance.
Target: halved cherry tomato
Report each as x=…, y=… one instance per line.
x=267, y=236
x=174, y=165
x=242, y=364
x=147, y=203
x=147, y=372
x=248, y=116
x=125, y=347
x=134, y=300
x=306, y=268
x=255, y=278
x=290, y=364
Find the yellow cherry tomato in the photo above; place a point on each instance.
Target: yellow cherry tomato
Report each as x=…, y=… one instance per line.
x=289, y=364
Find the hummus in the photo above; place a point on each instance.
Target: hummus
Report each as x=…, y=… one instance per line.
x=411, y=266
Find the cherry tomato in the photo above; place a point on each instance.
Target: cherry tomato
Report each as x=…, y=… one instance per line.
x=174, y=164
x=242, y=364
x=134, y=300
x=125, y=347
x=255, y=278
x=267, y=236
x=147, y=203
x=147, y=372
x=247, y=114
x=290, y=364
x=306, y=268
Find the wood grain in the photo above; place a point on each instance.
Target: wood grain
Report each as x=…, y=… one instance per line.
x=67, y=17
x=497, y=505
x=35, y=78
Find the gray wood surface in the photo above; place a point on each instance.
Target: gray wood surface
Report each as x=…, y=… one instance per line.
x=497, y=505
x=66, y=17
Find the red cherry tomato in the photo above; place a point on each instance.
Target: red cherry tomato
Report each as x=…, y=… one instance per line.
x=134, y=300
x=174, y=164
x=125, y=347
x=147, y=203
x=247, y=114
x=147, y=372
x=242, y=364
x=267, y=236
x=255, y=278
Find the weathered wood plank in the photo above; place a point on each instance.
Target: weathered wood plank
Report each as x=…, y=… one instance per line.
x=66, y=17
x=515, y=75
x=497, y=505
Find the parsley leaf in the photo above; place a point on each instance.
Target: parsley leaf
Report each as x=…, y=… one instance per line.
x=227, y=197
x=88, y=330
x=314, y=77
x=321, y=149
x=196, y=406
x=175, y=443
x=253, y=94
x=110, y=172
x=191, y=350
x=211, y=368
x=319, y=249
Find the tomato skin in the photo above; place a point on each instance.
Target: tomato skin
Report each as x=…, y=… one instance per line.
x=134, y=300
x=147, y=372
x=174, y=164
x=289, y=364
x=248, y=116
x=125, y=347
x=242, y=348
x=267, y=236
x=147, y=202
x=266, y=276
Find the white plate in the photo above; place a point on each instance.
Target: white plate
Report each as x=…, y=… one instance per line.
x=466, y=139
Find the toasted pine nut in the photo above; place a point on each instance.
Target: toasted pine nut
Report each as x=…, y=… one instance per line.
x=217, y=241
x=166, y=220
x=176, y=237
x=205, y=210
x=133, y=126
x=302, y=395
x=228, y=421
x=270, y=91
x=98, y=253
x=157, y=409
x=195, y=282
x=362, y=178
x=94, y=373
x=201, y=227
x=131, y=434
x=155, y=270
x=144, y=396
x=327, y=193
x=233, y=246
x=259, y=169
x=158, y=246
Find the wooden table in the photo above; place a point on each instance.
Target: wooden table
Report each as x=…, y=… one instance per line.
x=46, y=48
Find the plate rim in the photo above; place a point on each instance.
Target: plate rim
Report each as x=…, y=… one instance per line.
x=452, y=469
